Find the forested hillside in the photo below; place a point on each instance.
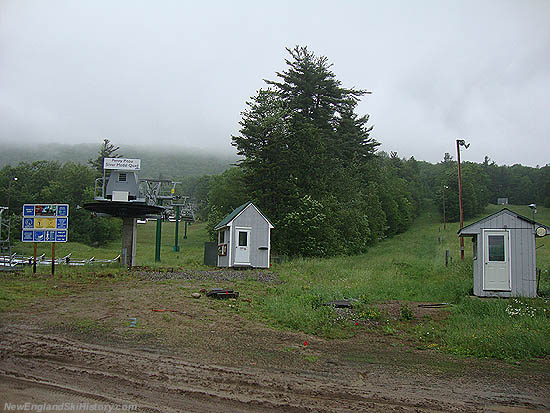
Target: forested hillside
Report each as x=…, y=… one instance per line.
x=306, y=158
x=166, y=162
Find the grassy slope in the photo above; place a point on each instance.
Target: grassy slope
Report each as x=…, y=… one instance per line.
x=410, y=267
x=191, y=249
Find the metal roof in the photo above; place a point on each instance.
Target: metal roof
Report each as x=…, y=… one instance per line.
x=230, y=217
x=463, y=231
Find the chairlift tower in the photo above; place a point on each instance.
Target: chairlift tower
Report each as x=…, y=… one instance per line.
x=183, y=211
x=121, y=194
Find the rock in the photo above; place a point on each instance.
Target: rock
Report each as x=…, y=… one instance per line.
x=196, y=295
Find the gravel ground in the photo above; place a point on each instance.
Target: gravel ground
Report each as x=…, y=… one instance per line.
x=210, y=275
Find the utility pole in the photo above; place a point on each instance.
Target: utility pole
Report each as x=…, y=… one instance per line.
x=13, y=178
x=445, y=187
x=459, y=143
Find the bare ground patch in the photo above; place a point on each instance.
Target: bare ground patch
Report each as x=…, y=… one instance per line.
x=206, y=355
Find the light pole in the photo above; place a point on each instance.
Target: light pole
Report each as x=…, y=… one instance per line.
x=13, y=178
x=444, y=217
x=459, y=143
x=534, y=209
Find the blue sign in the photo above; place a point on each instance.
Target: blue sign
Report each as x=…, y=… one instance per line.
x=45, y=223
x=50, y=236
x=61, y=236
x=28, y=236
x=62, y=210
x=28, y=210
x=62, y=223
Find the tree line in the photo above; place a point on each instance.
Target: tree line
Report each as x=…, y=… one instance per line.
x=308, y=161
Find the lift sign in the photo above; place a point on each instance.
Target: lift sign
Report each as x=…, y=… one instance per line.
x=45, y=223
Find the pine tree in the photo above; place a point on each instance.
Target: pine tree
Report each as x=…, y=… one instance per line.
x=107, y=150
x=303, y=147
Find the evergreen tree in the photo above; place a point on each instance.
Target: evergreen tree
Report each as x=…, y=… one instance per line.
x=107, y=150
x=305, y=155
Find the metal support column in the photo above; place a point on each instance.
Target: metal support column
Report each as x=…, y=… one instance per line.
x=128, y=253
x=176, y=246
x=159, y=236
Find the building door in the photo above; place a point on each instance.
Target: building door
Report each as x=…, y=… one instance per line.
x=242, y=247
x=496, y=260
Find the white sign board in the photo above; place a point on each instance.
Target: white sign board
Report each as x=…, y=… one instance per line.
x=122, y=164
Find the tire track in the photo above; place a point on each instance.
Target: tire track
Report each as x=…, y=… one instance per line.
x=157, y=382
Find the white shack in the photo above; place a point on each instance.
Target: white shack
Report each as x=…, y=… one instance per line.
x=244, y=238
x=504, y=254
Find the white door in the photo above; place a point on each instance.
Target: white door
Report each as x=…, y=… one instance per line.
x=242, y=247
x=496, y=260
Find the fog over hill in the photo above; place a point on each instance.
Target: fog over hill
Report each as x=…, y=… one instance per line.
x=164, y=162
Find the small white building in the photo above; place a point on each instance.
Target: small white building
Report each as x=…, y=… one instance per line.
x=244, y=238
x=505, y=261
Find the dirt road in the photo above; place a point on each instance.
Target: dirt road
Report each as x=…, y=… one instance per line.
x=51, y=368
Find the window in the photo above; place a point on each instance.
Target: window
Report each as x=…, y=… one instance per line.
x=121, y=177
x=221, y=237
x=496, y=247
x=243, y=239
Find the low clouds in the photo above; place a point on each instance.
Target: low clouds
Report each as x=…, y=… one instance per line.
x=179, y=73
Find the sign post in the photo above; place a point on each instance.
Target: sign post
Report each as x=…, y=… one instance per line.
x=53, y=258
x=45, y=223
x=34, y=259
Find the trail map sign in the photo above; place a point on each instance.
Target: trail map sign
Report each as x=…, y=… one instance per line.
x=45, y=223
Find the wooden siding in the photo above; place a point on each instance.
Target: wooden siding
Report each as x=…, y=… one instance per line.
x=259, y=236
x=223, y=260
x=522, y=255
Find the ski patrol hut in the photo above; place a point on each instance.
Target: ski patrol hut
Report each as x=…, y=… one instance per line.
x=504, y=254
x=244, y=238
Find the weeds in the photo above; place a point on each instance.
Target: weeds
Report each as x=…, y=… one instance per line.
x=405, y=312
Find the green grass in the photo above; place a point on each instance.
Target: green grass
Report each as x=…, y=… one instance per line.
x=407, y=267
x=14, y=292
x=190, y=254
x=497, y=328
x=410, y=267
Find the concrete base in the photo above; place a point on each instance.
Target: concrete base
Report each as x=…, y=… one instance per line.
x=128, y=253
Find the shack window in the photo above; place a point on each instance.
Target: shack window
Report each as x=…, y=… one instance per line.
x=243, y=239
x=121, y=177
x=474, y=245
x=496, y=247
x=221, y=236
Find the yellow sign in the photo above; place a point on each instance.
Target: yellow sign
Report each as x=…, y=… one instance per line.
x=39, y=223
x=50, y=223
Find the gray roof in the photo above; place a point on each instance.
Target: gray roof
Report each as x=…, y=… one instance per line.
x=230, y=217
x=464, y=230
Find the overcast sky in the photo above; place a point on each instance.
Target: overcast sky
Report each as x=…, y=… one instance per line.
x=180, y=72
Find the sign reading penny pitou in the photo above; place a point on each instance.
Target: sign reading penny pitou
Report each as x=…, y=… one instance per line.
x=122, y=164
x=45, y=223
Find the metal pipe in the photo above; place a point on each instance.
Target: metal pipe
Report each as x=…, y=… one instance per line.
x=176, y=246
x=458, y=141
x=444, y=217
